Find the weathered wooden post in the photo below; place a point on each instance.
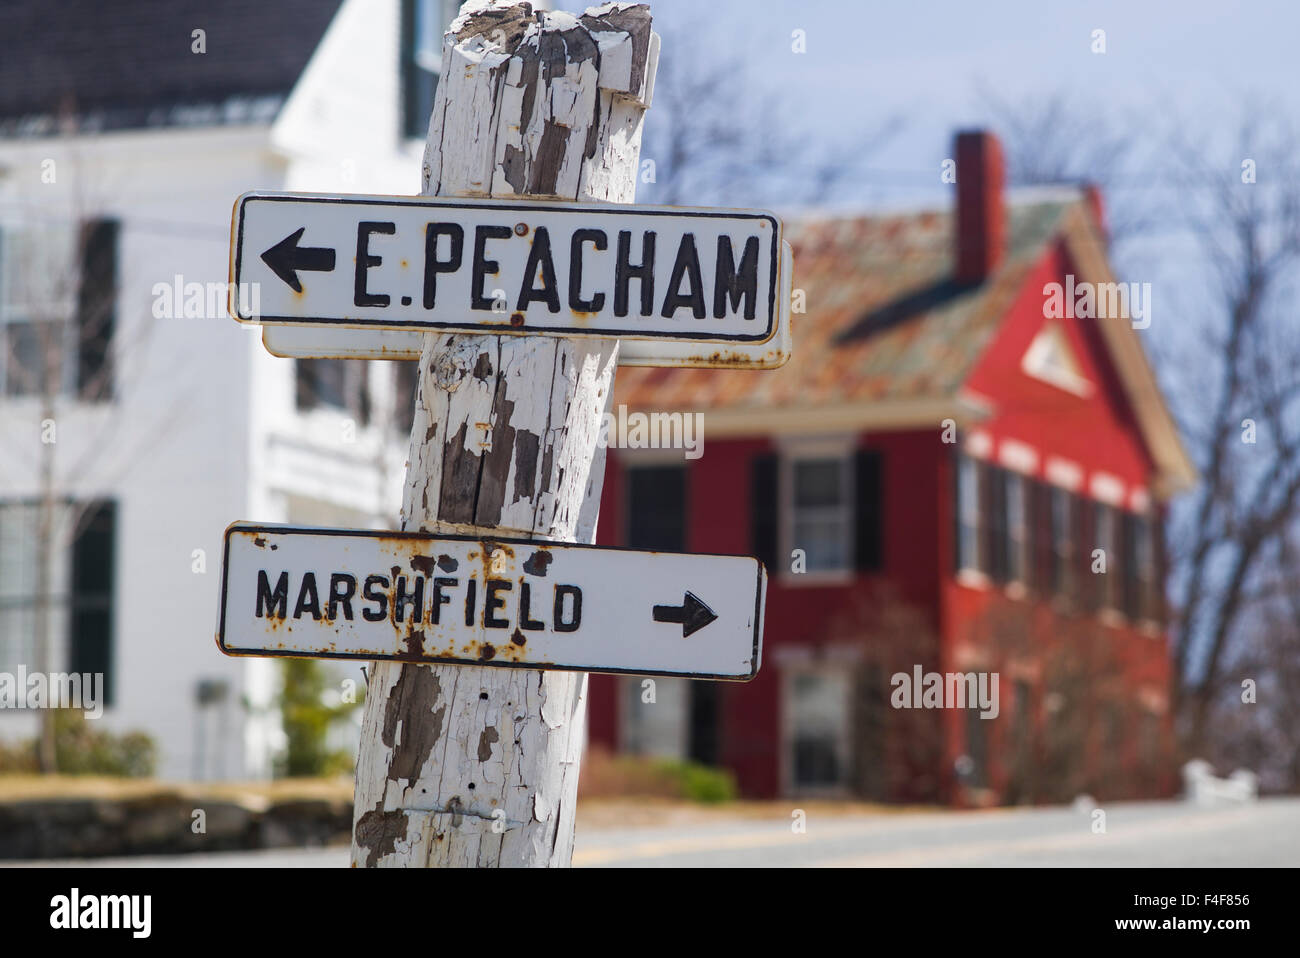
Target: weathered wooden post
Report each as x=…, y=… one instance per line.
x=479, y=766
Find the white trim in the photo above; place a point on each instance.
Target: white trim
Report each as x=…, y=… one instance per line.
x=1018, y=456
x=823, y=446
x=973, y=579
x=855, y=417
x=645, y=458
x=1064, y=473
x=979, y=445
x=1107, y=488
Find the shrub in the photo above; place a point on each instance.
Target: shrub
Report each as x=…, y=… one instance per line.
x=605, y=775
x=81, y=748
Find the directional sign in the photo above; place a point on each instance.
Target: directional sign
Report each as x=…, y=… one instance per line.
x=563, y=269
x=412, y=597
x=343, y=342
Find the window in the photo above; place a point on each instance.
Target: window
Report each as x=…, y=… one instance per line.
x=996, y=547
x=977, y=749
x=423, y=24
x=1150, y=567
x=335, y=383
x=968, y=513
x=1105, y=538
x=820, y=513
x=656, y=508
x=81, y=587
x=1062, y=547
x=658, y=728
x=58, y=291
x=817, y=714
x=1140, y=574
x=1017, y=518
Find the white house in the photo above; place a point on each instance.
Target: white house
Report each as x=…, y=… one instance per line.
x=127, y=131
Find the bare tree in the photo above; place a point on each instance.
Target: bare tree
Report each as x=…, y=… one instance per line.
x=719, y=134
x=1247, y=369
x=1052, y=140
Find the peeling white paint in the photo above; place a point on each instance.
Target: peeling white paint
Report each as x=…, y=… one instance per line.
x=528, y=763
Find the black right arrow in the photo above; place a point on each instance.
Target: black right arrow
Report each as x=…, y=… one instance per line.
x=692, y=614
x=287, y=257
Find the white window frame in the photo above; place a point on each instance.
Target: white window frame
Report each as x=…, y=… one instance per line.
x=673, y=709
x=792, y=451
x=970, y=574
x=1106, y=537
x=836, y=671
x=61, y=308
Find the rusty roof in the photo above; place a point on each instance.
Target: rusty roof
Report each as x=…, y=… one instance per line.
x=883, y=321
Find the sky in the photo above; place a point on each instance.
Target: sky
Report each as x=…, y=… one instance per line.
x=1195, y=63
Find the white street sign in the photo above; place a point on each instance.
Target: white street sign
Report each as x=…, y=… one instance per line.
x=563, y=269
x=345, y=342
x=412, y=597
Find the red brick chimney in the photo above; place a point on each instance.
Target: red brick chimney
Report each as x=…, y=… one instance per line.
x=981, y=215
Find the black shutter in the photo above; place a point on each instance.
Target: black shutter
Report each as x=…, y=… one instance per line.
x=1039, y=572
x=96, y=309
x=869, y=511
x=764, y=508
x=996, y=525
x=1087, y=589
x=418, y=84
x=90, y=642
x=1130, y=598
x=656, y=508
x=1159, y=608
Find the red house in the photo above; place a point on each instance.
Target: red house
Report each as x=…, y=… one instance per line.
x=957, y=484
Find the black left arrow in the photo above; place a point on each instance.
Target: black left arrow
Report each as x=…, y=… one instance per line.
x=286, y=257
x=692, y=614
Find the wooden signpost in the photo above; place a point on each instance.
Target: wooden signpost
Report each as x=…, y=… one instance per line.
x=463, y=761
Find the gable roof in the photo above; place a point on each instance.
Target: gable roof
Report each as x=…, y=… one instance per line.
x=92, y=65
x=885, y=323
x=889, y=340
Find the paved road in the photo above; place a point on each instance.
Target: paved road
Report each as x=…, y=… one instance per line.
x=1149, y=834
